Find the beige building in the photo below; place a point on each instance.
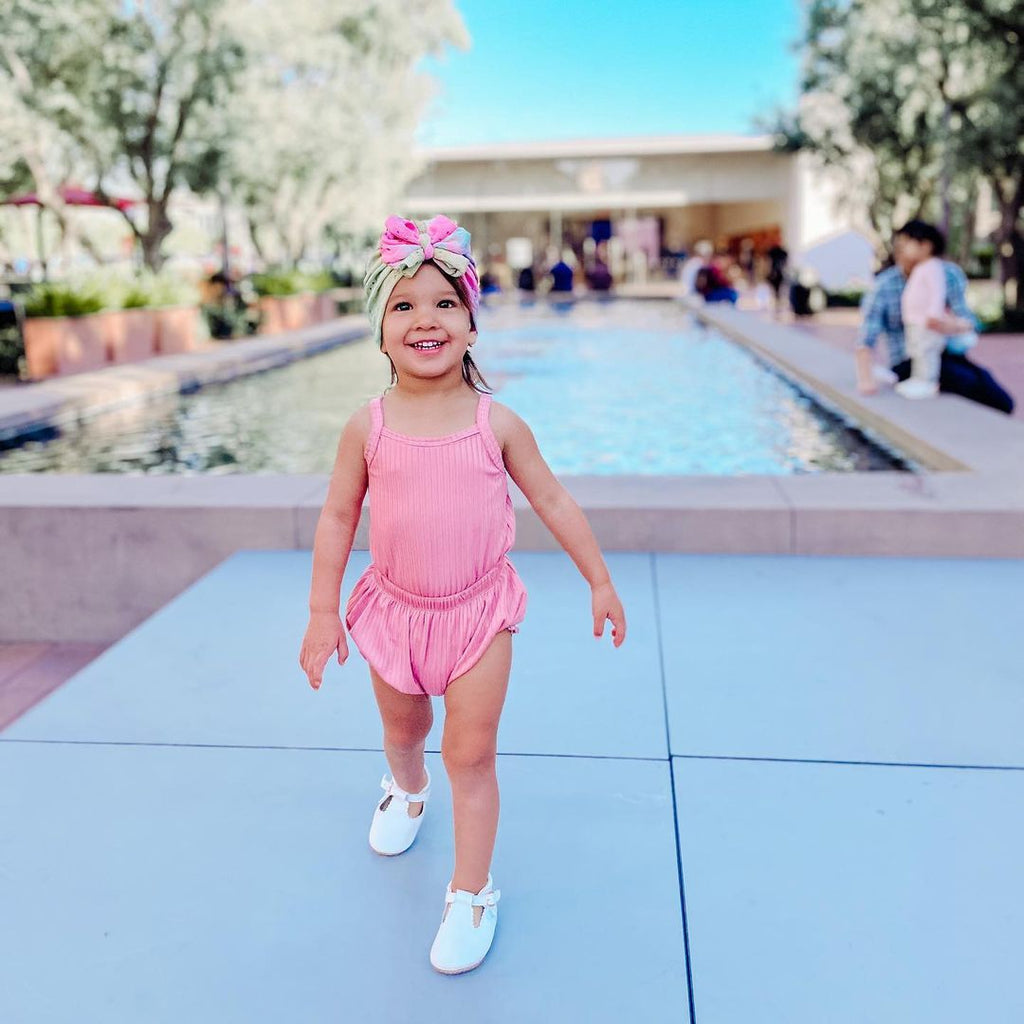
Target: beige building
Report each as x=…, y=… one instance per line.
x=643, y=195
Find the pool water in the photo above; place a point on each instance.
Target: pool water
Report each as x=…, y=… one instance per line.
x=608, y=388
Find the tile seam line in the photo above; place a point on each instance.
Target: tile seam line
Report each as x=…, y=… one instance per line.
x=285, y=746
x=867, y=764
x=520, y=753
x=672, y=788
x=787, y=501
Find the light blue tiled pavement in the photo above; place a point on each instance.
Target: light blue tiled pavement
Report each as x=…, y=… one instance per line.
x=184, y=821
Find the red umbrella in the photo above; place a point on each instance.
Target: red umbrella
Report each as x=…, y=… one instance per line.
x=73, y=196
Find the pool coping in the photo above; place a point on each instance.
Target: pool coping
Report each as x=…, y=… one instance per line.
x=89, y=556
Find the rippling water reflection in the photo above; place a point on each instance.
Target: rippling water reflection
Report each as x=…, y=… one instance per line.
x=622, y=387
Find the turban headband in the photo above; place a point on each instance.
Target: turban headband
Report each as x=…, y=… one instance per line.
x=404, y=247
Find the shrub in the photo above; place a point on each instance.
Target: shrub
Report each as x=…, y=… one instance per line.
x=138, y=295
x=846, y=298
x=319, y=281
x=172, y=291
x=292, y=282
x=278, y=282
x=59, y=298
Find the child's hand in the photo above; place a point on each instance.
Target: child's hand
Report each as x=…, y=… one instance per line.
x=606, y=605
x=324, y=635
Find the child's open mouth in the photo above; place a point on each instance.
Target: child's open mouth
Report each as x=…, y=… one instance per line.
x=426, y=346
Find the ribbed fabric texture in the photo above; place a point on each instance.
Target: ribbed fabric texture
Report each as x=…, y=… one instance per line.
x=440, y=585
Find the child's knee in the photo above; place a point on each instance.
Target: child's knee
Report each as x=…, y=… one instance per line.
x=407, y=733
x=468, y=753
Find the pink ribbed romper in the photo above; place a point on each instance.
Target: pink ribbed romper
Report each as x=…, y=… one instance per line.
x=439, y=586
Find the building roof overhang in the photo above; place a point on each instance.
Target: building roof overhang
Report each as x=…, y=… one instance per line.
x=642, y=145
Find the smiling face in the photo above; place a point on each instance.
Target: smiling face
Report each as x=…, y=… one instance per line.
x=427, y=327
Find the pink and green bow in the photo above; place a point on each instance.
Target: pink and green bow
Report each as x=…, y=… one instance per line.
x=403, y=248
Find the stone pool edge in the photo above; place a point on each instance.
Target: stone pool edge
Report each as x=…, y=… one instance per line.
x=88, y=557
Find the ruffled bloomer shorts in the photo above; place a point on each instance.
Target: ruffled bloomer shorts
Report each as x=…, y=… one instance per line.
x=420, y=644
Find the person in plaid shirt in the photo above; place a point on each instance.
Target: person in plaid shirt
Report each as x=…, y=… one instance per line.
x=882, y=315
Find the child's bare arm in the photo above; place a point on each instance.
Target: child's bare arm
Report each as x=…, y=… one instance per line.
x=339, y=516
x=561, y=515
x=332, y=545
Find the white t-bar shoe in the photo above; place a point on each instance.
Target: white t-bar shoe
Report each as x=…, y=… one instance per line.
x=392, y=831
x=460, y=943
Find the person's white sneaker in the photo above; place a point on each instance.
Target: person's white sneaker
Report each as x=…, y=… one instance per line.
x=460, y=945
x=392, y=831
x=915, y=388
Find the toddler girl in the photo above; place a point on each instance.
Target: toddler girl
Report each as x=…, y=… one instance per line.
x=923, y=308
x=435, y=611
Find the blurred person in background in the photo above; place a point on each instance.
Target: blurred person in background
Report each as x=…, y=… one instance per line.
x=883, y=314
x=561, y=275
x=776, y=276
x=692, y=265
x=713, y=283
x=599, y=277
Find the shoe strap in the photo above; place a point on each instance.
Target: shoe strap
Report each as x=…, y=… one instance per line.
x=391, y=788
x=487, y=898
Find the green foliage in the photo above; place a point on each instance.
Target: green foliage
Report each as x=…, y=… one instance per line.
x=929, y=90
x=168, y=290
x=292, y=282
x=277, y=283
x=57, y=298
x=846, y=298
x=138, y=295
x=12, y=351
x=92, y=294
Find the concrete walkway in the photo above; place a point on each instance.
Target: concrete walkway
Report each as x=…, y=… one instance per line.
x=1001, y=354
x=791, y=797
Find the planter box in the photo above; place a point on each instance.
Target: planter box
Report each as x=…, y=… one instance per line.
x=326, y=307
x=271, y=314
x=177, y=329
x=131, y=334
x=311, y=308
x=43, y=338
x=287, y=312
x=65, y=344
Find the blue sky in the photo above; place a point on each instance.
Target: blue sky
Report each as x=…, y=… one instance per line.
x=577, y=69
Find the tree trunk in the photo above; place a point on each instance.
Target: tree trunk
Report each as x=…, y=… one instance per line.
x=1008, y=241
x=254, y=235
x=152, y=238
x=968, y=224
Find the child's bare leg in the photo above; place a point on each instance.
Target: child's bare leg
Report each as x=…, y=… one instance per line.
x=407, y=719
x=473, y=704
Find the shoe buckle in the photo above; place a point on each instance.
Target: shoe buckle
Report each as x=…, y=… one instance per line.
x=487, y=899
x=391, y=788
x=484, y=899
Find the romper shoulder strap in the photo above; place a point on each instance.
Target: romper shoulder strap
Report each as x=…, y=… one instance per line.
x=376, y=424
x=483, y=422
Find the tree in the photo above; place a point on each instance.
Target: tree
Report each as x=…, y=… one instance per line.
x=325, y=113
x=37, y=156
x=303, y=111
x=133, y=86
x=991, y=126
x=914, y=100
